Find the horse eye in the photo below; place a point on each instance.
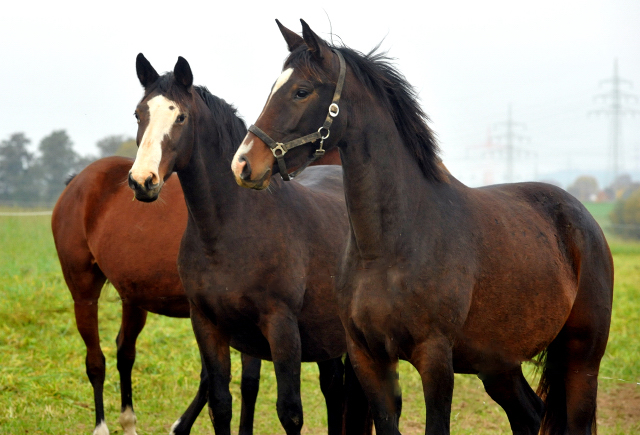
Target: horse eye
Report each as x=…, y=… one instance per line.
x=180, y=119
x=137, y=117
x=302, y=93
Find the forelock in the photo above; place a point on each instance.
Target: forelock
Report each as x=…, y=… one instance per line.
x=166, y=86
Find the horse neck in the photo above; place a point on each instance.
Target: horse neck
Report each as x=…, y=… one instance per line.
x=210, y=191
x=385, y=188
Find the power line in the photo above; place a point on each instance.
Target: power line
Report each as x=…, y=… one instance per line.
x=510, y=150
x=614, y=100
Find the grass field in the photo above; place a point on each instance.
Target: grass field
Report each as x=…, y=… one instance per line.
x=44, y=389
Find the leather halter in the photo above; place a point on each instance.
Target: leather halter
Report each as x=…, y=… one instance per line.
x=279, y=149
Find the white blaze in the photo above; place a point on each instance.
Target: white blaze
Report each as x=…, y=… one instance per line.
x=162, y=115
x=284, y=77
x=247, y=144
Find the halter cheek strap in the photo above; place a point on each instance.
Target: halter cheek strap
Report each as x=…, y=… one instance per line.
x=279, y=149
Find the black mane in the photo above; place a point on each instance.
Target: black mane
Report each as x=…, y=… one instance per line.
x=391, y=88
x=226, y=115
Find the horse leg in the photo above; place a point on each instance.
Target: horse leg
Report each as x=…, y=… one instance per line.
x=183, y=425
x=357, y=417
x=433, y=360
x=249, y=386
x=379, y=380
x=133, y=320
x=581, y=385
x=332, y=387
x=284, y=340
x=214, y=350
x=569, y=382
x=512, y=392
x=586, y=333
x=85, y=288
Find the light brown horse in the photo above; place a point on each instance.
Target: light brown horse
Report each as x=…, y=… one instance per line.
x=96, y=225
x=450, y=278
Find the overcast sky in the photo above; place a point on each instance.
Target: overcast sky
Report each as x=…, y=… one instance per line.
x=71, y=65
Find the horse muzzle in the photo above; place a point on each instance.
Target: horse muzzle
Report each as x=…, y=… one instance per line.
x=146, y=192
x=244, y=180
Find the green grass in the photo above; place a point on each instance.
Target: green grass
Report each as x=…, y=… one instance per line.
x=600, y=211
x=44, y=389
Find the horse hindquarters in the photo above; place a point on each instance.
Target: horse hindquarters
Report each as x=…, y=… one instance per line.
x=569, y=381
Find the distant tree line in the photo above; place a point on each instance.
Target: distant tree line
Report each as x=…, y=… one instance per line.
x=625, y=216
x=27, y=179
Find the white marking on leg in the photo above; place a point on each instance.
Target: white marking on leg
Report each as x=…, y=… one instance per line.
x=162, y=116
x=101, y=429
x=128, y=421
x=174, y=426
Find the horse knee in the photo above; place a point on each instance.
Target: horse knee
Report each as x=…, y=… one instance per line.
x=96, y=367
x=331, y=376
x=220, y=412
x=249, y=386
x=125, y=361
x=290, y=415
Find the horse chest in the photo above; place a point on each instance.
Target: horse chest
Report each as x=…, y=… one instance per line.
x=372, y=310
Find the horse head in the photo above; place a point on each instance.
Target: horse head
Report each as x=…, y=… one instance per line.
x=300, y=114
x=165, y=127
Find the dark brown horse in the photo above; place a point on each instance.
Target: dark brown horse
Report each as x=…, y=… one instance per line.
x=450, y=278
x=269, y=295
x=97, y=228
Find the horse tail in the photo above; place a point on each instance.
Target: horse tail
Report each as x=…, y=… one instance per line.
x=357, y=418
x=552, y=388
x=69, y=178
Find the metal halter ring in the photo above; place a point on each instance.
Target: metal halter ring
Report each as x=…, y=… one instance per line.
x=278, y=147
x=320, y=131
x=334, y=109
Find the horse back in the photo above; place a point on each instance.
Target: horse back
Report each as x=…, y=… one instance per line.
x=324, y=179
x=541, y=205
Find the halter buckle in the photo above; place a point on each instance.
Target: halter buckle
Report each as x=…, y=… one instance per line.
x=279, y=147
x=320, y=131
x=334, y=109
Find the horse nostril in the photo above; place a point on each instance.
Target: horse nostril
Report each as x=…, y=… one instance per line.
x=148, y=183
x=133, y=184
x=246, y=168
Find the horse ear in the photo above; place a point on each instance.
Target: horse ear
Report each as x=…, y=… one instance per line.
x=293, y=39
x=315, y=44
x=146, y=73
x=182, y=73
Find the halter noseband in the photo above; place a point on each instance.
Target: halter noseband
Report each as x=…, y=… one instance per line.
x=279, y=149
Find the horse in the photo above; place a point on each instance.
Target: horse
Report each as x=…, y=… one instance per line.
x=450, y=278
x=270, y=296
x=96, y=228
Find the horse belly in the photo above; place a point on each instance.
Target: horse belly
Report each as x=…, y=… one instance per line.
x=512, y=320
